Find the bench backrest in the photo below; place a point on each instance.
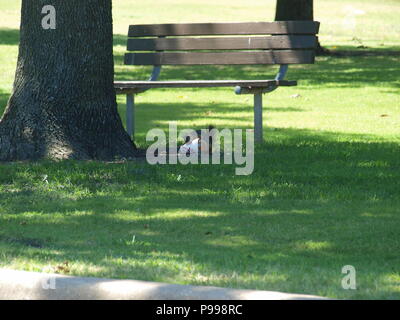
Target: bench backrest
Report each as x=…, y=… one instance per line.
x=282, y=42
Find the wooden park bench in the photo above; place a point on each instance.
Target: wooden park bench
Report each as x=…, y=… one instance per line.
x=255, y=43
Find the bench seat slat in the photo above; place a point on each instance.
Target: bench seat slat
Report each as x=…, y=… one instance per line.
x=222, y=58
x=123, y=87
x=227, y=43
x=241, y=28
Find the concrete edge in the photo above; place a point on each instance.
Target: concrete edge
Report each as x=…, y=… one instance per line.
x=22, y=285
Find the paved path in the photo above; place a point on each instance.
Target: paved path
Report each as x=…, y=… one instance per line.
x=23, y=285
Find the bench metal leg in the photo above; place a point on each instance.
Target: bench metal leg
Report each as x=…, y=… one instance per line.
x=130, y=115
x=258, y=117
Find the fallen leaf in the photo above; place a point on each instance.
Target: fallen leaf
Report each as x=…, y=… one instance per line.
x=62, y=268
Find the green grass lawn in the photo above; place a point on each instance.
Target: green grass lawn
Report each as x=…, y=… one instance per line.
x=324, y=193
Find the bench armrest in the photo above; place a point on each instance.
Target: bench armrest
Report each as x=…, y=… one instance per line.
x=279, y=76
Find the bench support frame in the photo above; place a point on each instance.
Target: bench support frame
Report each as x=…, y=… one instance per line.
x=258, y=117
x=256, y=91
x=258, y=102
x=130, y=115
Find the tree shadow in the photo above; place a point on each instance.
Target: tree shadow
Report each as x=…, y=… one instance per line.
x=9, y=36
x=120, y=40
x=208, y=112
x=4, y=96
x=313, y=205
x=362, y=51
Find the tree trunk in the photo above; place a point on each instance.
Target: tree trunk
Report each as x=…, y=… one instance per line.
x=292, y=10
x=63, y=104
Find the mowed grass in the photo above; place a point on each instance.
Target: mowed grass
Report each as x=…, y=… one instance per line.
x=324, y=193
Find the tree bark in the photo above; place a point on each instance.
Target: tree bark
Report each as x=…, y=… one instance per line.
x=292, y=10
x=63, y=104
x=295, y=10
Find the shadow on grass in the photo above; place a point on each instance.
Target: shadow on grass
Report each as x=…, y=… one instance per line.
x=4, y=96
x=359, y=51
x=120, y=40
x=208, y=111
x=313, y=205
x=9, y=36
